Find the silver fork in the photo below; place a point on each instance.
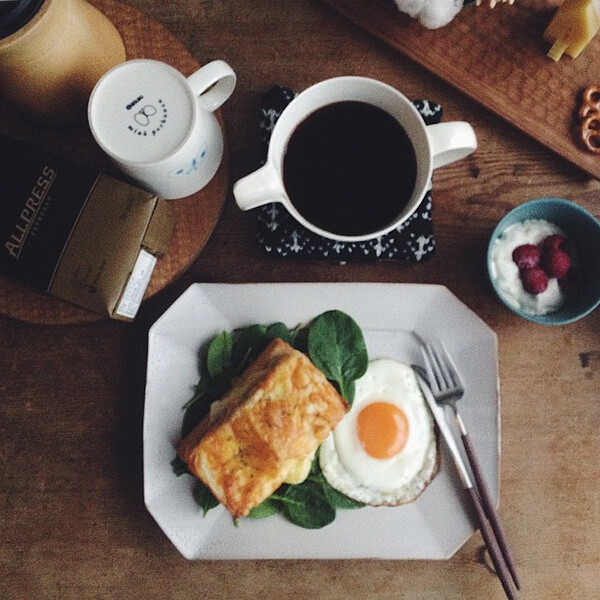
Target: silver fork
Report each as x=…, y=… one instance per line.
x=447, y=388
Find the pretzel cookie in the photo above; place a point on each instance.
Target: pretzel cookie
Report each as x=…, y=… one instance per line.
x=589, y=118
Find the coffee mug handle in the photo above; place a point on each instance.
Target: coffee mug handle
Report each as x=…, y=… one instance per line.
x=213, y=83
x=450, y=142
x=260, y=187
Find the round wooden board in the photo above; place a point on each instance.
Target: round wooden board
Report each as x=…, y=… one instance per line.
x=196, y=216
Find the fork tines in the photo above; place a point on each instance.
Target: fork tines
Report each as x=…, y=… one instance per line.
x=446, y=380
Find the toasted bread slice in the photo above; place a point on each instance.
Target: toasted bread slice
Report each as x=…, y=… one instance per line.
x=273, y=417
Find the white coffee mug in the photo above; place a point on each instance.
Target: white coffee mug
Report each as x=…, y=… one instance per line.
x=434, y=146
x=158, y=126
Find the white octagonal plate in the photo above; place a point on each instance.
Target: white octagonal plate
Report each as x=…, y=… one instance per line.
x=393, y=317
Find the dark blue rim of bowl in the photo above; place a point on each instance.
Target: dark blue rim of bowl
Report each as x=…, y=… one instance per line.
x=547, y=319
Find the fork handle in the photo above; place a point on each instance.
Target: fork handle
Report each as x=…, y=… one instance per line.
x=487, y=503
x=492, y=546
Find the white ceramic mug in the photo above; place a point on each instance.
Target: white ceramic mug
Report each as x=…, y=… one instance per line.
x=158, y=126
x=434, y=145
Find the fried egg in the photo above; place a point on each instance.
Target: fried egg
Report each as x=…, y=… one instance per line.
x=384, y=450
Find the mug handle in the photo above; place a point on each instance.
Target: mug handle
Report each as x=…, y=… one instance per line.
x=213, y=83
x=260, y=187
x=450, y=142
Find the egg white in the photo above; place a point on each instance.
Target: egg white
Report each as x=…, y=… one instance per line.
x=396, y=480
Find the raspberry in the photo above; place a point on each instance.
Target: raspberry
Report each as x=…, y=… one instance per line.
x=556, y=263
x=556, y=242
x=535, y=281
x=526, y=256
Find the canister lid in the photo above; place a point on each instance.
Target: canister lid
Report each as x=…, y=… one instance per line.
x=14, y=14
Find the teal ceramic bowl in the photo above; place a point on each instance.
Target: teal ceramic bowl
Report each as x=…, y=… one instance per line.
x=583, y=229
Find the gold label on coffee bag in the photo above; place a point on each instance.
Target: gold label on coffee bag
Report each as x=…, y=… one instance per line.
x=34, y=208
x=42, y=198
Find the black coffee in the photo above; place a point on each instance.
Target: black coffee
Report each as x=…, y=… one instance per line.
x=350, y=168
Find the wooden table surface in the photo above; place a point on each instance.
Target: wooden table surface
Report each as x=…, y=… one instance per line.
x=72, y=519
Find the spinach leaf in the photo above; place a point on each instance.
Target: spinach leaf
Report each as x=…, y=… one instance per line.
x=337, y=499
x=179, y=467
x=197, y=409
x=280, y=330
x=204, y=497
x=300, y=339
x=266, y=508
x=199, y=390
x=218, y=357
x=249, y=343
x=337, y=347
x=305, y=505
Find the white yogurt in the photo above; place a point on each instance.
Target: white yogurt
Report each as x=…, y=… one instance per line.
x=505, y=272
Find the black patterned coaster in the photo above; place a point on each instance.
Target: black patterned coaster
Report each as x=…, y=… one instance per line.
x=279, y=234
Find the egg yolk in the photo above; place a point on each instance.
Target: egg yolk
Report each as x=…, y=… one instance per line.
x=382, y=429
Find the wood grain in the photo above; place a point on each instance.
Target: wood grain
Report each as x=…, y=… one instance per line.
x=73, y=525
x=196, y=216
x=497, y=58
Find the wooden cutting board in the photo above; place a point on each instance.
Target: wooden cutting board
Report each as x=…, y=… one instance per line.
x=498, y=58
